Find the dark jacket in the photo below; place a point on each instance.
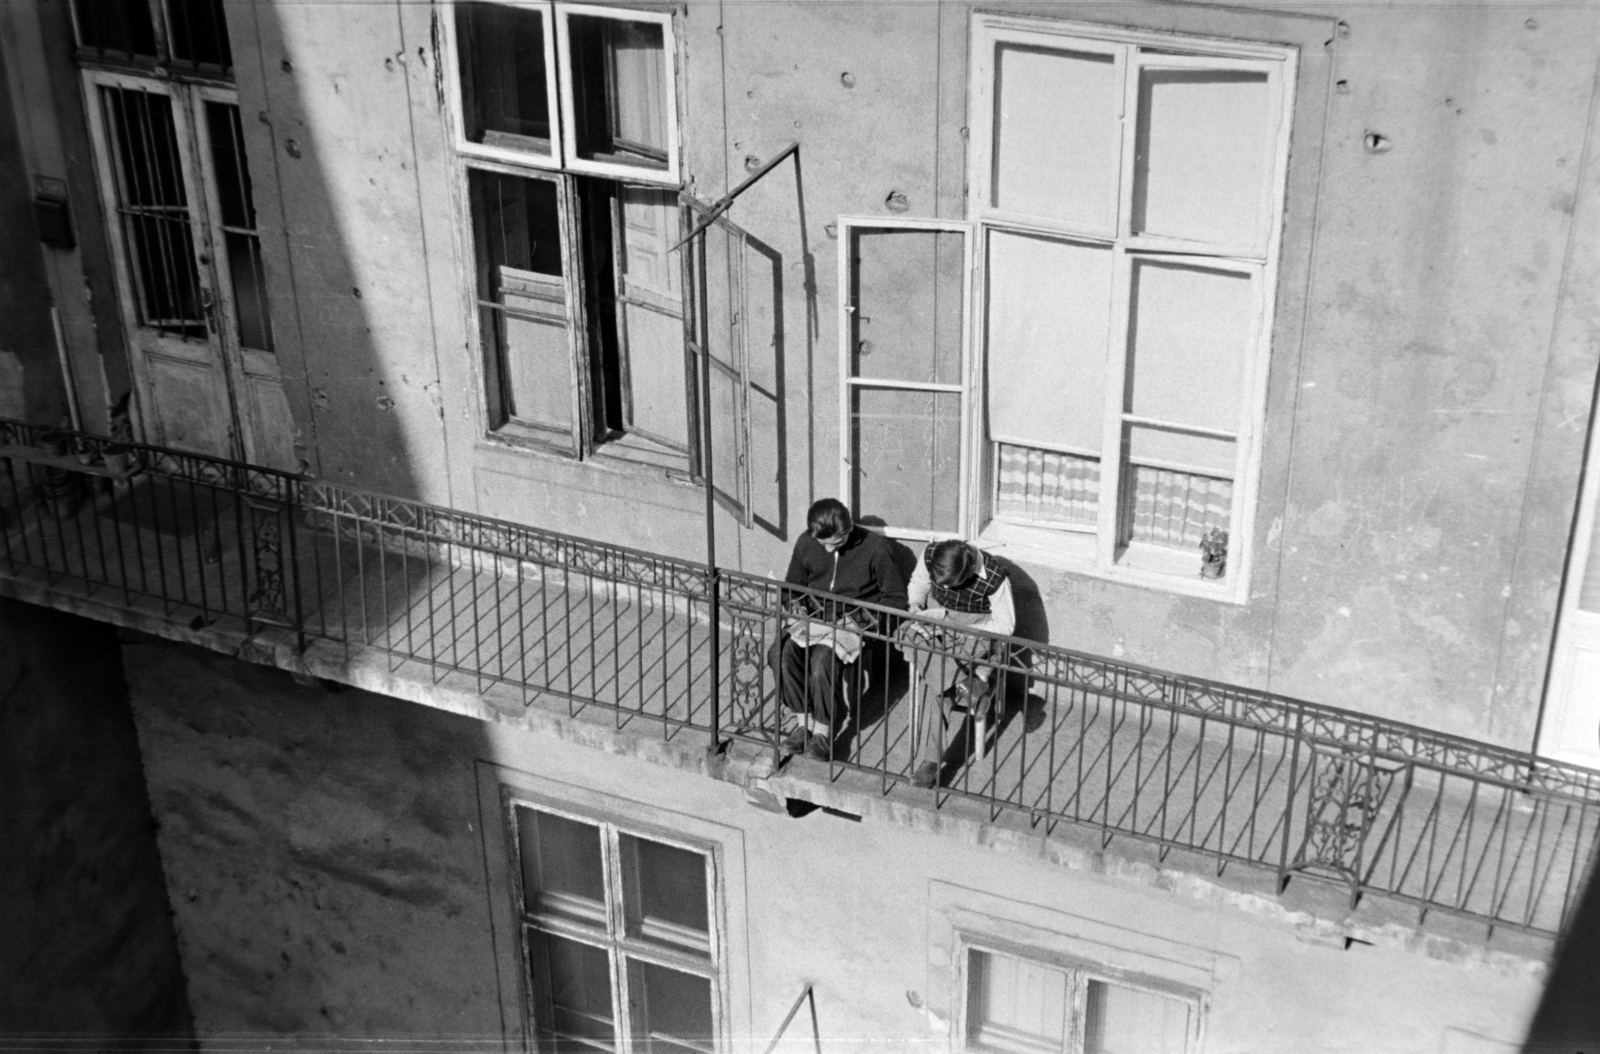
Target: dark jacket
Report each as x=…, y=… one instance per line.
x=862, y=569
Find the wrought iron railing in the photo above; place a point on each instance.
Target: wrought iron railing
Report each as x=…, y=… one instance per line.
x=1232, y=774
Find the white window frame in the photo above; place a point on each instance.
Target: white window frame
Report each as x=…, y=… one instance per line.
x=1079, y=973
x=574, y=163
x=849, y=383
x=617, y=945
x=559, y=95
x=452, y=73
x=1168, y=571
x=561, y=166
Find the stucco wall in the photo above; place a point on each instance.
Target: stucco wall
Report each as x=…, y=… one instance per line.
x=1408, y=540
x=1432, y=366
x=86, y=936
x=329, y=874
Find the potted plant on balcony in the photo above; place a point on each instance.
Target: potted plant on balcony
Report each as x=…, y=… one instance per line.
x=1213, y=553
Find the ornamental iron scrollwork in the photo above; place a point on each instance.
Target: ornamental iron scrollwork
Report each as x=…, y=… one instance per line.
x=268, y=597
x=1346, y=792
x=747, y=672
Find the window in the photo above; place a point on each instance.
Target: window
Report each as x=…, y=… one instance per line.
x=1125, y=196
x=617, y=938
x=182, y=35
x=566, y=128
x=1020, y=1005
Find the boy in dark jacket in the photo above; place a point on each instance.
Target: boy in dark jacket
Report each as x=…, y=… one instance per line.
x=834, y=556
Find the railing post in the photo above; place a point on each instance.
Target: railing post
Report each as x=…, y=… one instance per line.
x=1288, y=800
x=292, y=496
x=714, y=593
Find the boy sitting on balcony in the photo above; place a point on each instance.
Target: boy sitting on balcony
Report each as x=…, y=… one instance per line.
x=964, y=586
x=820, y=646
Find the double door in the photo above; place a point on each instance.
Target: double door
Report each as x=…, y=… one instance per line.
x=175, y=182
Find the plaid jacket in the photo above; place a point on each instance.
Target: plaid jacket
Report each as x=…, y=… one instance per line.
x=973, y=597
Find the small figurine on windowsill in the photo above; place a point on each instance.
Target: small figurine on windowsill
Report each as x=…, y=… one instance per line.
x=1213, y=553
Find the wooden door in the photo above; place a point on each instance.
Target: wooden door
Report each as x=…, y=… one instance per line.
x=176, y=188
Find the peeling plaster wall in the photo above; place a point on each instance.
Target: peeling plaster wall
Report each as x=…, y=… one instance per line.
x=327, y=869
x=1430, y=379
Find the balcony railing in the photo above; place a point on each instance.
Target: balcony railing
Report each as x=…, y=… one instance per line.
x=1232, y=774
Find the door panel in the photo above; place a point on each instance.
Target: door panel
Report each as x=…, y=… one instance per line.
x=187, y=413
x=140, y=134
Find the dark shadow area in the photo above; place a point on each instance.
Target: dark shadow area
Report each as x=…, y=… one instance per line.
x=1568, y=1018
x=86, y=935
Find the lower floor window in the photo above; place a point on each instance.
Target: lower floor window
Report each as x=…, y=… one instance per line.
x=617, y=937
x=1019, y=1005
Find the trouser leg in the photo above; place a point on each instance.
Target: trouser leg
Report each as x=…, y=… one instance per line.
x=937, y=671
x=825, y=669
x=788, y=662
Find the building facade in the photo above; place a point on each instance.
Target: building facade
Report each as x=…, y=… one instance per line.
x=1255, y=341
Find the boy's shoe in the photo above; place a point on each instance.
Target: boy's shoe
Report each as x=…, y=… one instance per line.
x=926, y=774
x=819, y=747
x=795, y=741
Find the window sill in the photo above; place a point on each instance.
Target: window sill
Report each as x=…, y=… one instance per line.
x=1076, y=553
x=623, y=456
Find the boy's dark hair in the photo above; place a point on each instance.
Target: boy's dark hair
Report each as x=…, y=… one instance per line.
x=828, y=518
x=951, y=562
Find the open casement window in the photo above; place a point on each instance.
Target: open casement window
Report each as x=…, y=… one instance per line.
x=904, y=286
x=617, y=937
x=715, y=329
x=579, y=295
x=180, y=35
x=1128, y=195
x=581, y=314
x=582, y=88
x=1020, y=1005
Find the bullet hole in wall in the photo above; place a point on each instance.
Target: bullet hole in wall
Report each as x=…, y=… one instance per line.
x=355, y=292
x=286, y=66
x=292, y=148
x=1532, y=23
x=896, y=202
x=831, y=230
x=751, y=162
x=1376, y=143
x=1342, y=87
x=847, y=79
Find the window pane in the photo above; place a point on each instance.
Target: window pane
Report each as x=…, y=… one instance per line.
x=1189, y=339
x=1056, y=135
x=523, y=299
x=153, y=208
x=905, y=457
x=650, y=310
x=1047, y=489
x=1203, y=156
x=1049, y=319
x=505, y=92
x=1173, y=509
x=562, y=871
x=1121, y=1020
x=230, y=171
x=1014, y=1004
x=665, y=891
x=571, y=993
x=199, y=32
x=620, y=95
x=669, y=1010
x=122, y=26
x=908, y=313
